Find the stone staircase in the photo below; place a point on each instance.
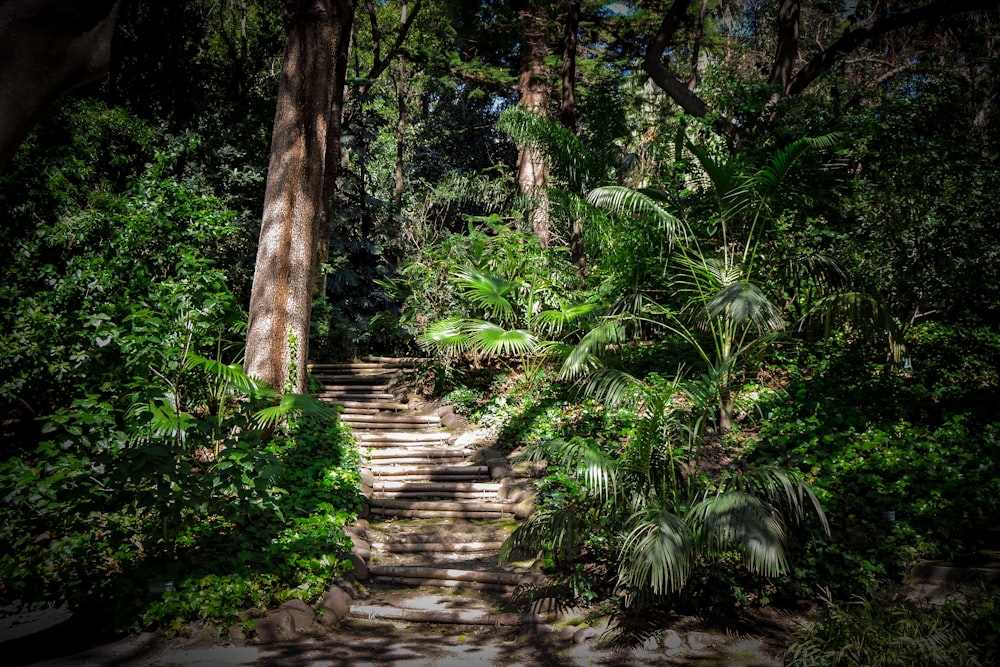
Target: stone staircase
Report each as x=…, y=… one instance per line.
x=438, y=502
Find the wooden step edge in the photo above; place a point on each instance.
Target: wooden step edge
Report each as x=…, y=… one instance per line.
x=354, y=378
x=437, y=436
x=453, y=617
x=393, y=485
x=440, y=514
x=369, y=389
x=437, y=504
x=393, y=361
x=440, y=495
x=416, y=452
x=443, y=473
x=454, y=574
x=436, y=547
x=402, y=419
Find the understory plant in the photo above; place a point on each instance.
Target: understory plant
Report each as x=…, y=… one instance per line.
x=652, y=500
x=234, y=494
x=890, y=630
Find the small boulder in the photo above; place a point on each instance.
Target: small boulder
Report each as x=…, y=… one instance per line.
x=360, y=571
x=302, y=615
x=361, y=548
x=336, y=603
x=236, y=634
x=699, y=641
x=672, y=641
x=275, y=627
x=583, y=634
x=524, y=508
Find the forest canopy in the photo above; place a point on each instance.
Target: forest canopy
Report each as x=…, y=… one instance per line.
x=761, y=229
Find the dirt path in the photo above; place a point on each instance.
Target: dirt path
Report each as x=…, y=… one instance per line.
x=357, y=643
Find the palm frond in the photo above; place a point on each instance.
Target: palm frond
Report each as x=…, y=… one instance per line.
x=293, y=405
x=446, y=335
x=785, y=491
x=863, y=311
x=658, y=553
x=775, y=174
x=626, y=201
x=584, y=355
x=741, y=521
x=487, y=291
x=745, y=303
x=491, y=339
x=591, y=466
x=552, y=322
x=562, y=527
x=614, y=387
x=231, y=375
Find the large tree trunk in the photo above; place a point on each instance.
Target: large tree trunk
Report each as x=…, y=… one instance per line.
x=532, y=175
x=567, y=115
x=294, y=206
x=47, y=48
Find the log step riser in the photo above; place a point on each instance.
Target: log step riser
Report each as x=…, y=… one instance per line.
x=435, y=514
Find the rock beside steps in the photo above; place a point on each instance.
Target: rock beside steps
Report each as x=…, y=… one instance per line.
x=438, y=503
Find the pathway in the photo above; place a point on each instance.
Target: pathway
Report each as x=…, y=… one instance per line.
x=439, y=501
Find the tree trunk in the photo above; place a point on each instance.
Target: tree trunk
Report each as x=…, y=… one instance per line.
x=48, y=48
x=788, y=44
x=532, y=174
x=294, y=207
x=567, y=116
x=400, y=121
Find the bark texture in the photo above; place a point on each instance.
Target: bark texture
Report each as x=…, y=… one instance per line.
x=534, y=77
x=294, y=205
x=48, y=48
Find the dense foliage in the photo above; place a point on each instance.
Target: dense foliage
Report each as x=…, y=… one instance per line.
x=787, y=297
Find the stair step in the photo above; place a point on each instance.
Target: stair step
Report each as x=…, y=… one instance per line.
x=370, y=439
x=451, y=574
x=436, y=547
x=441, y=505
x=446, y=495
x=435, y=473
x=382, y=457
x=460, y=617
x=369, y=388
x=404, y=418
x=391, y=426
x=336, y=396
x=354, y=378
x=395, y=485
x=374, y=405
x=441, y=514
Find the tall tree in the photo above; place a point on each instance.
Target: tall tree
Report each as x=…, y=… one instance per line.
x=294, y=205
x=534, y=80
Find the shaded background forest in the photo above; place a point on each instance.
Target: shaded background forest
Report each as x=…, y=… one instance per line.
x=132, y=212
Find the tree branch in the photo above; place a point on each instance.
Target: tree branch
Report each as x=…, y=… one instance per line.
x=668, y=82
x=852, y=39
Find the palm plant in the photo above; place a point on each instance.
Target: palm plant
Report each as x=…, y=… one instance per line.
x=723, y=292
x=665, y=515
x=515, y=323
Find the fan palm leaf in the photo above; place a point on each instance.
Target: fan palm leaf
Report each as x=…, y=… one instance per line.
x=447, y=335
x=487, y=291
x=293, y=405
x=744, y=303
x=491, y=339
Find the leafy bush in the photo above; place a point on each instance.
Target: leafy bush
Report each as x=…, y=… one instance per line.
x=890, y=630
